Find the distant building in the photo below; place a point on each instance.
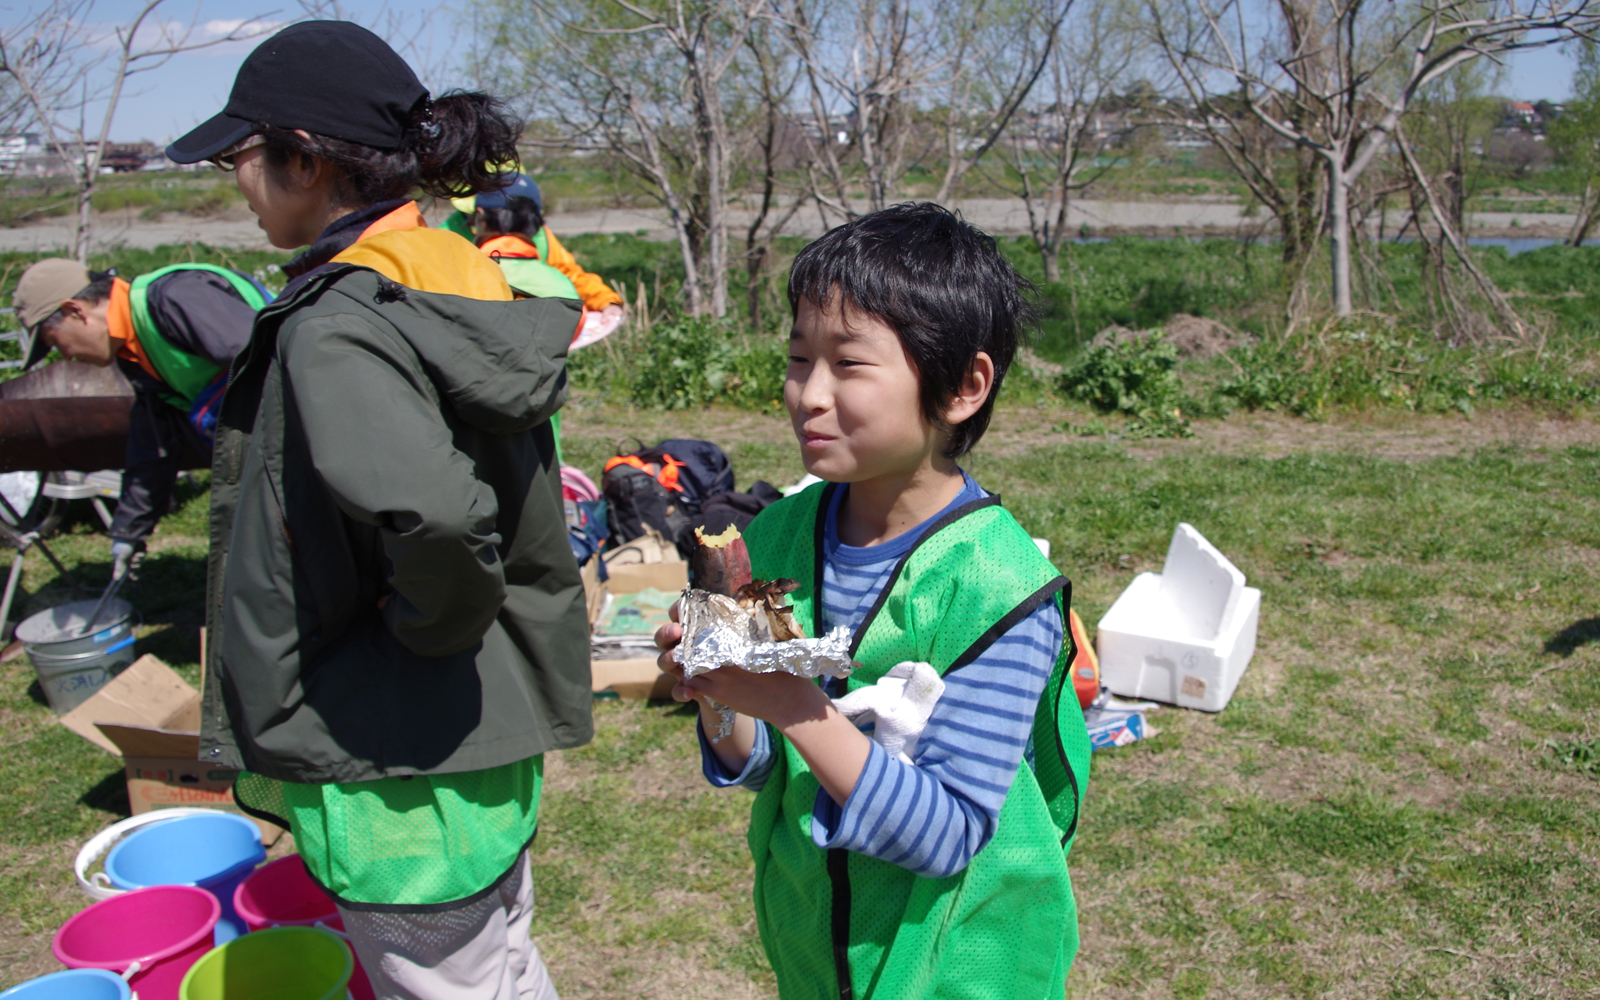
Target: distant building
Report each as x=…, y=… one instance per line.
x=16, y=148
x=1522, y=111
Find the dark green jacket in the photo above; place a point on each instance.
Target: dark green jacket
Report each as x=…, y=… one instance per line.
x=380, y=441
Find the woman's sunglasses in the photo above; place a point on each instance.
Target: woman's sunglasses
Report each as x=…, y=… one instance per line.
x=228, y=159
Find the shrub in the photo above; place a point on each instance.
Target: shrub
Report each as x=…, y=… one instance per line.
x=683, y=363
x=1359, y=365
x=1137, y=377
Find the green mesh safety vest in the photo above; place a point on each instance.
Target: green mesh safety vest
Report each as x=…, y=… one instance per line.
x=185, y=374
x=427, y=840
x=839, y=924
x=535, y=278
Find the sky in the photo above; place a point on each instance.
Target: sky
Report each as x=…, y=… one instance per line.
x=161, y=104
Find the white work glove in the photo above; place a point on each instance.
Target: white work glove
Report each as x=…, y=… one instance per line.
x=125, y=558
x=898, y=706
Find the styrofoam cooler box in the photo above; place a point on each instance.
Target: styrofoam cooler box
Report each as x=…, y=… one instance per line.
x=1182, y=636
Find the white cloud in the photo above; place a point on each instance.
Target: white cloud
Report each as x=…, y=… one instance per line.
x=221, y=28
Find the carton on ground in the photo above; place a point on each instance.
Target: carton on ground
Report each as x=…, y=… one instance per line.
x=150, y=717
x=1185, y=635
x=636, y=677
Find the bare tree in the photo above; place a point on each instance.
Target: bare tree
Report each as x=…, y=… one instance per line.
x=62, y=63
x=1353, y=68
x=1450, y=235
x=645, y=81
x=995, y=56
x=1576, y=138
x=864, y=65
x=1055, y=146
x=774, y=84
x=901, y=82
x=1279, y=175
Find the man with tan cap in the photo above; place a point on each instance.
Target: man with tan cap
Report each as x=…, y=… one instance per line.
x=173, y=333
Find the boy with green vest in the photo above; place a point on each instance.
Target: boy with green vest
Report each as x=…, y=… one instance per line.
x=939, y=871
x=173, y=333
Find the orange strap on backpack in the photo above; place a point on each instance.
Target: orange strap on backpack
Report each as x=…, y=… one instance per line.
x=666, y=473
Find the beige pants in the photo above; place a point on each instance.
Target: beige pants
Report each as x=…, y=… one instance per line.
x=481, y=951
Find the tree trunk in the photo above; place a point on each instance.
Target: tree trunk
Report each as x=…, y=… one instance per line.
x=1052, y=260
x=1586, y=216
x=1339, y=233
x=85, y=228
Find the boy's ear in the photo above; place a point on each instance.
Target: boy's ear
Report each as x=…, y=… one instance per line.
x=974, y=390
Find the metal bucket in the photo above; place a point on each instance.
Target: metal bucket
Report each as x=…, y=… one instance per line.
x=73, y=664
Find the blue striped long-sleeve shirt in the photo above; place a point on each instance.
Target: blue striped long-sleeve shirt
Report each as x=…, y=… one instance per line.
x=933, y=816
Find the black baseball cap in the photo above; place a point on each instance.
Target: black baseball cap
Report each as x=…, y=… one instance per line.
x=331, y=78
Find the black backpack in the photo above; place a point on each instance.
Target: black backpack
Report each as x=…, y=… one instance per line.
x=736, y=509
x=703, y=469
x=663, y=488
x=638, y=502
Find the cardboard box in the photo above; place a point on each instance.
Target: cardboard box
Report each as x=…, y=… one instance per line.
x=150, y=717
x=637, y=677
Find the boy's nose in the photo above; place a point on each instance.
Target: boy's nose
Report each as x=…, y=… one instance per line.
x=816, y=393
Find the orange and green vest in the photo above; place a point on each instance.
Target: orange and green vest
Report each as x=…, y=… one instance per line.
x=839, y=924
x=525, y=269
x=186, y=375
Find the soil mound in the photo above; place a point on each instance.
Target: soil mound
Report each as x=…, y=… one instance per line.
x=1193, y=336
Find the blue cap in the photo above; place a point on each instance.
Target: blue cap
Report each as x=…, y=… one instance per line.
x=521, y=186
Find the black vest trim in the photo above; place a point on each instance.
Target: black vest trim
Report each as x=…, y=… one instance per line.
x=839, y=876
x=818, y=536
x=1029, y=605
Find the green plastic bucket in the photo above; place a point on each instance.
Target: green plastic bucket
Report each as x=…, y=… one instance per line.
x=281, y=963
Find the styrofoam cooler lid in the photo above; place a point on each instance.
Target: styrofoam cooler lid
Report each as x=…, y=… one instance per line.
x=1199, y=583
x=66, y=622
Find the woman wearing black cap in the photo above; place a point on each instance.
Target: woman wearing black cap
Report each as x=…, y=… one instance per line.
x=398, y=626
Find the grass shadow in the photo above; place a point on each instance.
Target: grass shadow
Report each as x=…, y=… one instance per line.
x=1575, y=636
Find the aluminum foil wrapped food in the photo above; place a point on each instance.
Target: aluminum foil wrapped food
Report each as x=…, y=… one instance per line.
x=749, y=625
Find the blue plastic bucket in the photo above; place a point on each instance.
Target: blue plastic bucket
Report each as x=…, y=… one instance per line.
x=74, y=984
x=215, y=853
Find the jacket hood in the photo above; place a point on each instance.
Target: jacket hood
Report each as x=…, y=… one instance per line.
x=499, y=361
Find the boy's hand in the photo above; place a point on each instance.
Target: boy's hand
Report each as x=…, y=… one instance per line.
x=667, y=639
x=777, y=697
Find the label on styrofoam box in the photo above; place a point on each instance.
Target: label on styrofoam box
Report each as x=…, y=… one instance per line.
x=1114, y=729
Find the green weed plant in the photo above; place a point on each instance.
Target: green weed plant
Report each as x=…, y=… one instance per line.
x=1137, y=377
x=1371, y=363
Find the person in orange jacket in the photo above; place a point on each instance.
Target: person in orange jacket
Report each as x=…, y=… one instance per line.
x=602, y=305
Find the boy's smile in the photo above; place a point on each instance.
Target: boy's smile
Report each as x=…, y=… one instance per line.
x=854, y=398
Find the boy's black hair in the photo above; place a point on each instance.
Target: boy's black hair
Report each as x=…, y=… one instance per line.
x=943, y=286
x=520, y=215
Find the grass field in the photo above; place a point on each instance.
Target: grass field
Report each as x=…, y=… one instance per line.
x=1403, y=799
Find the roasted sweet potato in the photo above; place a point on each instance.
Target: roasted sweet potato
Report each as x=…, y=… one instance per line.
x=719, y=564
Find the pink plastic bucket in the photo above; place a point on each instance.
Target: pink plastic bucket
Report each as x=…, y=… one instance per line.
x=164, y=929
x=281, y=894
